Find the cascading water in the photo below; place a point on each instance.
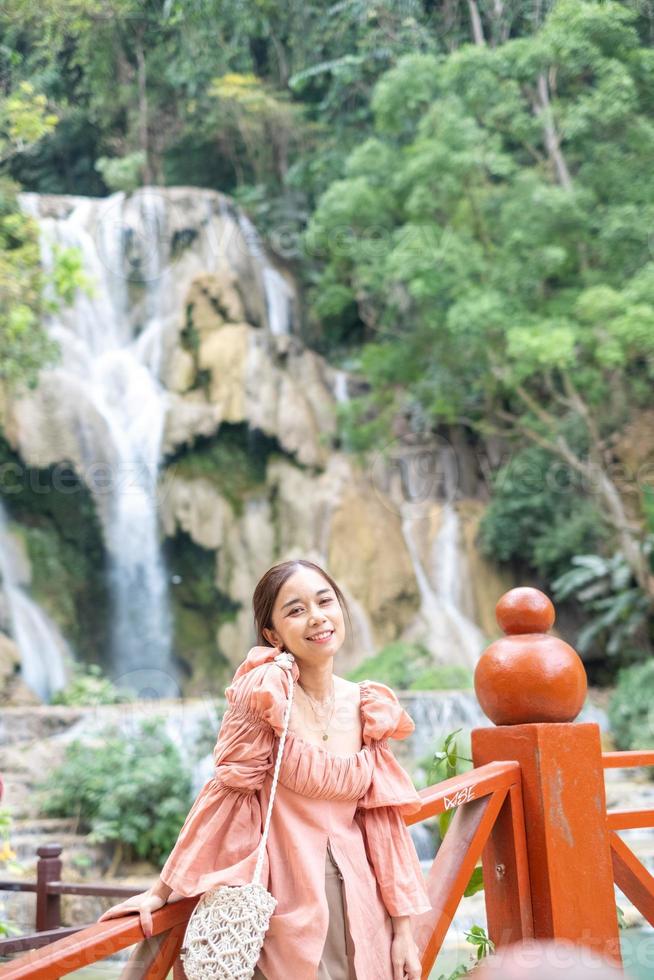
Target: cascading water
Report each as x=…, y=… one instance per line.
x=341, y=393
x=111, y=346
x=44, y=653
x=452, y=636
x=279, y=295
x=104, y=403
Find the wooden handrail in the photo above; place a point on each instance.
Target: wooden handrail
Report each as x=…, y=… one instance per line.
x=103, y=939
x=48, y=888
x=473, y=785
x=483, y=798
x=35, y=940
x=629, y=819
x=628, y=760
x=630, y=875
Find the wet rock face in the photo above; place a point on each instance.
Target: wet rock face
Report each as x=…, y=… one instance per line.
x=13, y=689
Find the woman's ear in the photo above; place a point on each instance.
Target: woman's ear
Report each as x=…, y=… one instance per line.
x=270, y=636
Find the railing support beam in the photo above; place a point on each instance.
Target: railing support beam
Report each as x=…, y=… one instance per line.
x=568, y=847
x=48, y=905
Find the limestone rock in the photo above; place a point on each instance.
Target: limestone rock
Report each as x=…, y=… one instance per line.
x=224, y=354
x=214, y=299
x=288, y=396
x=368, y=553
x=13, y=689
x=271, y=382
x=180, y=371
x=487, y=579
x=189, y=415
x=194, y=506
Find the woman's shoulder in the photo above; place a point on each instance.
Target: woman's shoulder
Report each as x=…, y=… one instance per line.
x=261, y=685
x=382, y=713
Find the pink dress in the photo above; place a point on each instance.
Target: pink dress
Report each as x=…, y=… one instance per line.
x=355, y=801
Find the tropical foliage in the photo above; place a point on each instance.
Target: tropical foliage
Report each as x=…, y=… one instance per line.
x=631, y=710
x=25, y=292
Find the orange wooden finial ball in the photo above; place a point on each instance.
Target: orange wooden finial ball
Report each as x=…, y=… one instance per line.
x=528, y=676
x=525, y=610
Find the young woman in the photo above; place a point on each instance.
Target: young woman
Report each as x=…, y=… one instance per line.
x=340, y=860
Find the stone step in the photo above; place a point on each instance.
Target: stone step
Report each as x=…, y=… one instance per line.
x=43, y=826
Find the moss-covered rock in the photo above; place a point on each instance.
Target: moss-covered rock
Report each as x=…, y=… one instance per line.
x=54, y=514
x=234, y=461
x=199, y=608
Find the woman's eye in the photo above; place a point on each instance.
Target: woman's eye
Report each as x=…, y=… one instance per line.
x=299, y=608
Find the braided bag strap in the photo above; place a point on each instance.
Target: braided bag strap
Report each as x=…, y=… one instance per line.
x=285, y=660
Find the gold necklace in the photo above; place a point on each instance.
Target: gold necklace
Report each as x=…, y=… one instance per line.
x=313, y=701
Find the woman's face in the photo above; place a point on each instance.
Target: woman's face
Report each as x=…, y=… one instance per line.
x=306, y=607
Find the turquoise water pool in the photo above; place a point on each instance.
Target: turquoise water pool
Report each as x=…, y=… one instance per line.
x=637, y=952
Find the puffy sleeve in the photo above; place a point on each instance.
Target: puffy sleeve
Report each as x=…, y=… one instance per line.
x=391, y=795
x=218, y=843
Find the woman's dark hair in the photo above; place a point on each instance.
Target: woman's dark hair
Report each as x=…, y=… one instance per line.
x=267, y=589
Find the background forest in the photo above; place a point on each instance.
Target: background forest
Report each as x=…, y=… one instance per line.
x=464, y=192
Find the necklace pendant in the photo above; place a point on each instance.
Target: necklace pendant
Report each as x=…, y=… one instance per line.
x=325, y=737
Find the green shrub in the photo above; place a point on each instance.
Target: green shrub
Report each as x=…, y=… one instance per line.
x=442, y=677
x=534, y=516
x=122, y=173
x=133, y=791
x=410, y=667
x=88, y=686
x=631, y=709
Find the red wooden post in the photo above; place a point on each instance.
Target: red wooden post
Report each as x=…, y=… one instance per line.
x=532, y=685
x=48, y=868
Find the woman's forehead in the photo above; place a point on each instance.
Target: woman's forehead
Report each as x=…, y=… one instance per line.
x=303, y=583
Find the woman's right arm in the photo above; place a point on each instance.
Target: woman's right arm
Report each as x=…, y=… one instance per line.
x=218, y=843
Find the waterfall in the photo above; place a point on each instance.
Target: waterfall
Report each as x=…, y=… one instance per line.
x=340, y=386
x=437, y=713
x=107, y=382
x=279, y=295
x=103, y=407
x=43, y=651
x=443, y=623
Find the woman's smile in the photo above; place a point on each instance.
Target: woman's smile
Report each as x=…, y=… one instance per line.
x=323, y=637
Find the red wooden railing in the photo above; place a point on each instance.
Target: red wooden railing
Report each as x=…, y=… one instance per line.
x=533, y=809
x=630, y=875
x=48, y=889
x=479, y=797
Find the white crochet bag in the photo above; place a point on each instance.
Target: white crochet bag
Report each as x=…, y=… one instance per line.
x=225, y=933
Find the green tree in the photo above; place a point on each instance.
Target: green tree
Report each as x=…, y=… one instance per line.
x=494, y=234
x=24, y=346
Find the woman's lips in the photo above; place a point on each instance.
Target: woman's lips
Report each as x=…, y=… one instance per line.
x=325, y=639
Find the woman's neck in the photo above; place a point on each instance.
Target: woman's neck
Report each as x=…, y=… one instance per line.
x=317, y=681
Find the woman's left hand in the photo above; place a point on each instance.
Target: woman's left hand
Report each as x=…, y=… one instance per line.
x=404, y=957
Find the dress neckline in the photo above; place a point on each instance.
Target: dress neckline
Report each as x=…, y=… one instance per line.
x=335, y=755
